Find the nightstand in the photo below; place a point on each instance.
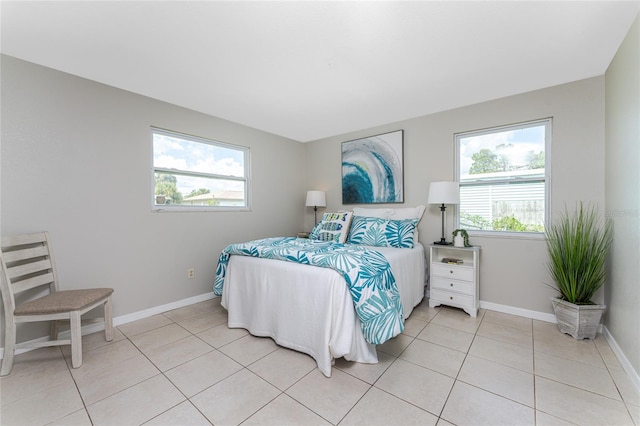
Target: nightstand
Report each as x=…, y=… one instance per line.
x=452, y=283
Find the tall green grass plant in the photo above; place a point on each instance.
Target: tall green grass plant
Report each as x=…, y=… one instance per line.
x=578, y=244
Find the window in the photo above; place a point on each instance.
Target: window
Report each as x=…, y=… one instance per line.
x=504, y=175
x=192, y=173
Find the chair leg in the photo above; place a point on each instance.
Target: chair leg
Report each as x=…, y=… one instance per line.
x=108, y=320
x=76, y=340
x=53, y=330
x=9, y=346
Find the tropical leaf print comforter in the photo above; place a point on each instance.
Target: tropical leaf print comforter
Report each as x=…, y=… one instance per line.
x=368, y=275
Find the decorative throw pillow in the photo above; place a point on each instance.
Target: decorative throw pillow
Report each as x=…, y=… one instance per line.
x=374, y=231
x=332, y=227
x=393, y=213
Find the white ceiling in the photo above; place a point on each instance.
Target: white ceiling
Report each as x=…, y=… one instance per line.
x=309, y=70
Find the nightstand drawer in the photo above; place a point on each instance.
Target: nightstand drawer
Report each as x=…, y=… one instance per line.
x=465, y=287
x=452, y=271
x=451, y=298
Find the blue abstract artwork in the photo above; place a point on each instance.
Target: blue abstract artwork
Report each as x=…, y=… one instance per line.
x=372, y=169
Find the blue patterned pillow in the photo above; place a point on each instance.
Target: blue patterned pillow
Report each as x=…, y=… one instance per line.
x=332, y=227
x=373, y=231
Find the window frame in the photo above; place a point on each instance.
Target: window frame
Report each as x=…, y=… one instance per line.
x=548, y=123
x=196, y=208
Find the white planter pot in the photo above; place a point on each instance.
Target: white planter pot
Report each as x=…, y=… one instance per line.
x=579, y=321
x=458, y=241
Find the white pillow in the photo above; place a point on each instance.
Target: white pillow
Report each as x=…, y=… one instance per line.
x=366, y=212
x=408, y=213
x=391, y=213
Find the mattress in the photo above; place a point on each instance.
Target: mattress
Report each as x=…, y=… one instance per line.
x=309, y=308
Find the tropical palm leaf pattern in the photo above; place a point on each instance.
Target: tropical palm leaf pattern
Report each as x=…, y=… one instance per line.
x=368, y=275
x=373, y=231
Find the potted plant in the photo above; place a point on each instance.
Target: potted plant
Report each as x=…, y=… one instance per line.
x=461, y=238
x=578, y=244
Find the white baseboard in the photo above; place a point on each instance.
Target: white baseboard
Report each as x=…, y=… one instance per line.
x=160, y=309
x=626, y=365
x=542, y=316
x=95, y=327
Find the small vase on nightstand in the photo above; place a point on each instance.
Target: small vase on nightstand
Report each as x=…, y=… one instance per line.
x=460, y=238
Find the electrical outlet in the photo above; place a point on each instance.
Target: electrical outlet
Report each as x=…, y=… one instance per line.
x=191, y=273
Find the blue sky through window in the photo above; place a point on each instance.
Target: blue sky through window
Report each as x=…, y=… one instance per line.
x=175, y=153
x=517, y=145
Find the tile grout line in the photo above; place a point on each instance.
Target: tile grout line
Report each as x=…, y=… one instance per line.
x=188, y=399
x=455, y=380
x=75, y=384
x=412, y=340
x=398, y=357
x=491, y=392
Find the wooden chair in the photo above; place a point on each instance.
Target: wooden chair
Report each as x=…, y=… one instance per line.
x=27, y=264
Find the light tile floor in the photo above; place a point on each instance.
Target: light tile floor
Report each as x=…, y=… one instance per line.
x=185, y=367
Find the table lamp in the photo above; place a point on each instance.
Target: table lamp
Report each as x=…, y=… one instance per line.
x=316, y=199
x=444, y=193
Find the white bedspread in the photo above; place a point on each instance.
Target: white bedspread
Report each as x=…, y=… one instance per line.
x=308, y=308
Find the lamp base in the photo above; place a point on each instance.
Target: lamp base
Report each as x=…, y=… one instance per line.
x=443, y=241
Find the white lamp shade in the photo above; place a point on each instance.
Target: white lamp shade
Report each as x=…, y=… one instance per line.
x=444, y=193
x=316, y=199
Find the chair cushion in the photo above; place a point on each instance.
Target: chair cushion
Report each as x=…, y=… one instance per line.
x=63, y=301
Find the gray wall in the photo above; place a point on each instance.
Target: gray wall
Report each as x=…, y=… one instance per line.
x=623, y=195
x=76, y=161
x=513, y=272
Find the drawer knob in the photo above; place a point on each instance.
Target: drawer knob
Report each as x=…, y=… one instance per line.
x=451, y=297
x=451, y=272
x=451, y=284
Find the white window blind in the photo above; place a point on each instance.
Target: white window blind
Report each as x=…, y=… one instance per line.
x=193, y=173
x=503, y=176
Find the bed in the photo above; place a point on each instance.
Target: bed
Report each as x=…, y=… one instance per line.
x=310, y=308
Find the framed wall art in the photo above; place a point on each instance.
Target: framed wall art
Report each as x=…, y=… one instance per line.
x=372, y=169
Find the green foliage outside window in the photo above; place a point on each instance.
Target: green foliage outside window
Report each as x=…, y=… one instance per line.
x=198, y=192
x=167, y=185
x=510, y=223
x=473, y=221
x=507, y=223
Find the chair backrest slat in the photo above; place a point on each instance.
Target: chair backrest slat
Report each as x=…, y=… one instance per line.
x=39, y=267
x=33, y=282
x=22, y=240
x=25, y=254
x=26, y=263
